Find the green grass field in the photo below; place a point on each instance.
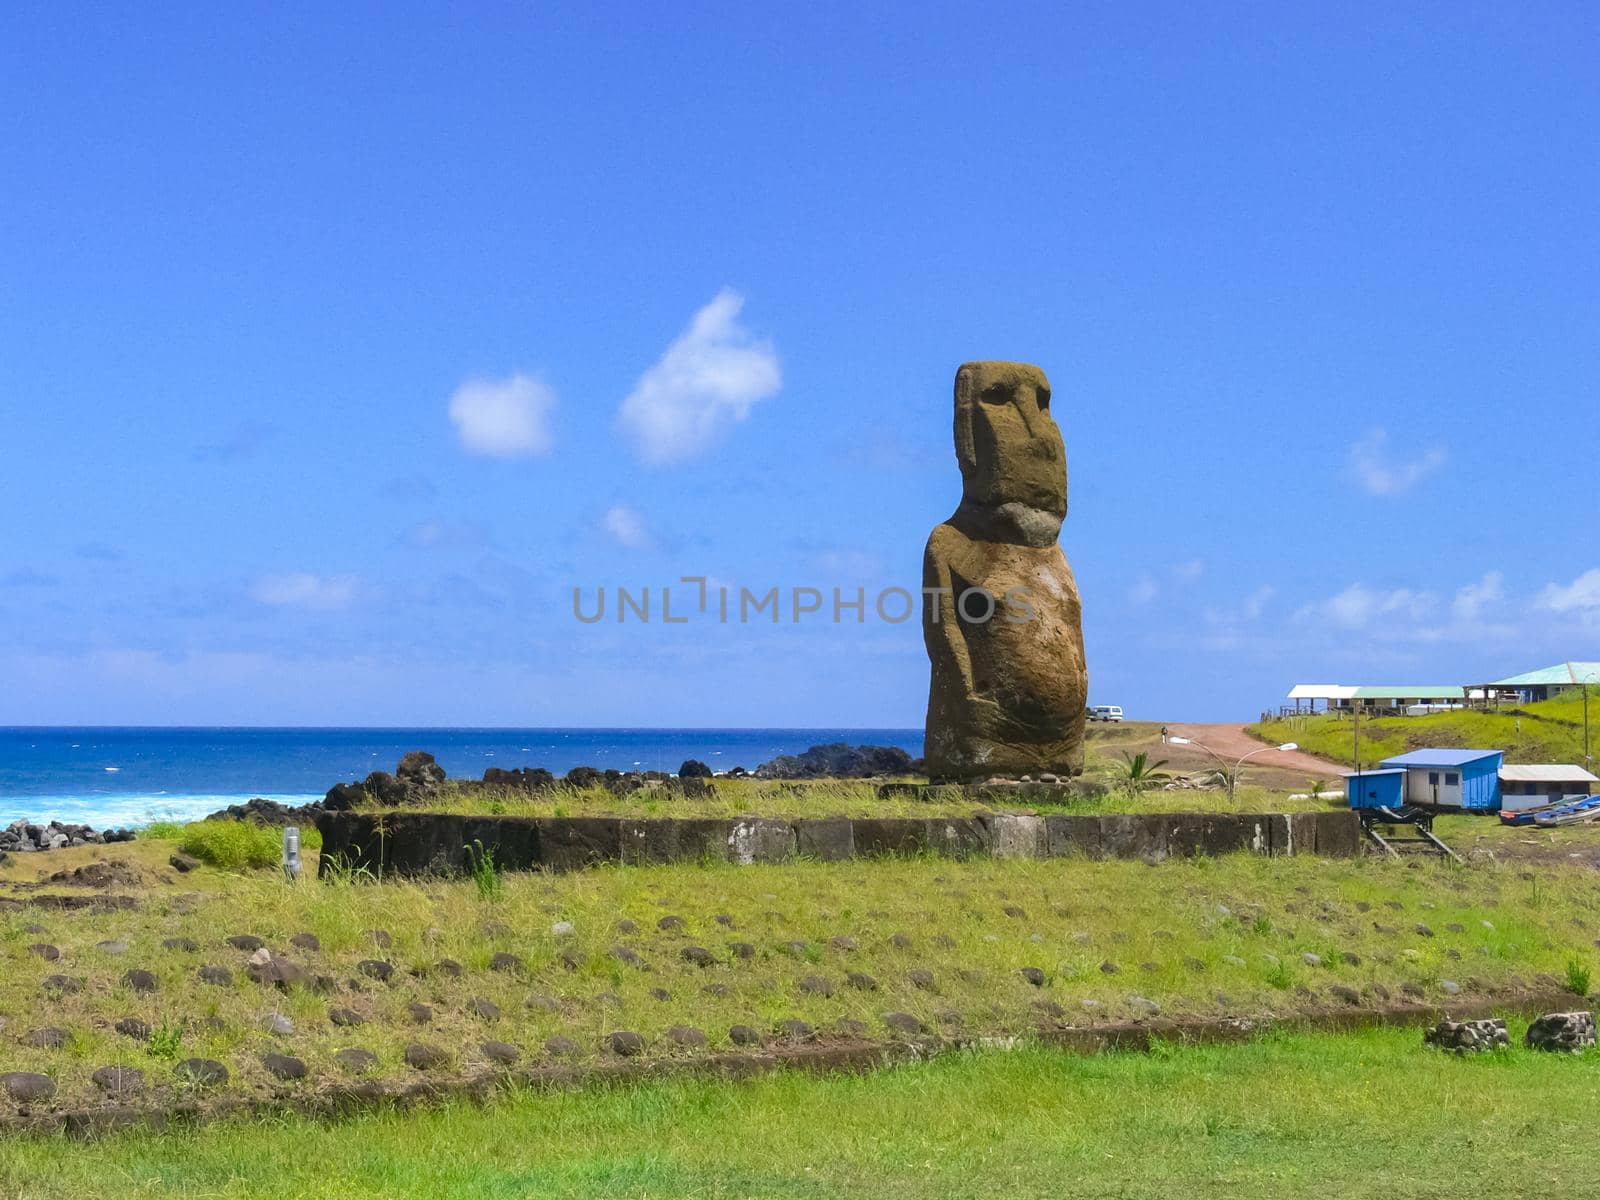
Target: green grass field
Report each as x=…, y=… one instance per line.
x=839, y=946
x=1547, y=732
x=1356, y=1116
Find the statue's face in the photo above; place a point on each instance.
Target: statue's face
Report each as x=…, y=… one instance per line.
x=1008, y=444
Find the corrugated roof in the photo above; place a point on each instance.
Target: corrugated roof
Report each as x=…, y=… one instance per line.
x=1440, y=758
x=1561, y=673
x=1363, y=774
x=1431, y=692
x=1321, y=691
x=1545, y=773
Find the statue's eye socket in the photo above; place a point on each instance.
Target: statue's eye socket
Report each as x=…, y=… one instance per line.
x=996, y=395
x=1044, y=398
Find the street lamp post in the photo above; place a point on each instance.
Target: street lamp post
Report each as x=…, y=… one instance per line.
x=1232, y=773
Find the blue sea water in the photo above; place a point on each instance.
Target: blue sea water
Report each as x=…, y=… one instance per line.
x=109, y=777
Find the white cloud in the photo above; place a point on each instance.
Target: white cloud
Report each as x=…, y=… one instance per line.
x=302, y=589
x=1383, y=475
x=1189, y=571
x=1144, y=590
x=1358, y=605
x=706, y=382
x=503, y=418
x=1582, y=595
x=1256, y=602
x=626, y=527
x=1473, y=599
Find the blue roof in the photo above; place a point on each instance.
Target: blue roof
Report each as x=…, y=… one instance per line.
x=1441, y=758
x=1364, y=774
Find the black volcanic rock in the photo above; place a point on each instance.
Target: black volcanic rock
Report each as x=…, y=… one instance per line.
x=838, y=760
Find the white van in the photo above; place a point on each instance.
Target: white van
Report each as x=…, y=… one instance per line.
x=1105, y=712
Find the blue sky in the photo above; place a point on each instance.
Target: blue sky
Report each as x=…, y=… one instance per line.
x=337, y=345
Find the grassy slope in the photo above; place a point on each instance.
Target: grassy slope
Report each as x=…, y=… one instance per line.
x=1549, y=732
x=1224, y=936
x=1360, y=1116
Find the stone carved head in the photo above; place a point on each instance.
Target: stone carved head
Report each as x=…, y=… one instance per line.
x=1012, y=457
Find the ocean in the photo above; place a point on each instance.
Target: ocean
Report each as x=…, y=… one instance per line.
x=109, y=777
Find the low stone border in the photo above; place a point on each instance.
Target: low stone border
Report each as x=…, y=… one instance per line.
x=819, y=1059
x=405, y=842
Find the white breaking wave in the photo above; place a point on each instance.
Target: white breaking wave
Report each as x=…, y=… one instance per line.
x=123, y=811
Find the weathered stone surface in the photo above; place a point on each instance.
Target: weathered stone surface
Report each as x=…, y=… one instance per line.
x=562, y=1047
x=759, y=840
x=1011, y=835
x=47, y=1037
x=1070, y=834
x=568, y=844
x=1001, y=618
x=1134, y=835
x=133, y=1027
x=140, y=980
x=186, y=945
x=503, y=1053
x=828, y=839
x=1562, y=1032
x=647, y=842
x=744, y=1035
x=686, y=1036
x=213, y=974
x=879, y=837
x=1467, y=1037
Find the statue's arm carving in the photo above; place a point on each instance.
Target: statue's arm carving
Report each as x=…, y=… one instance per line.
x=944, y=637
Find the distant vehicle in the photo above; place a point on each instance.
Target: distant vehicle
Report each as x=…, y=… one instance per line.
x=1105, y=712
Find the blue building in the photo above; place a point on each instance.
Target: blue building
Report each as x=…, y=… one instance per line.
x=1376, y=789
x=1464, y=779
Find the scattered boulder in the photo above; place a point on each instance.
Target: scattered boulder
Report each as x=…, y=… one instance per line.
x=693, y=768
x=420, y=1014
x=262, y=811
x=306, y=941
x=183, y=863
x=902, y=1023
x=626, y=1043
x=505, y=961
x=284, y=1066
x=503, y=1053
x=213, y=974
x=346, y=1018
x=47, y=1037
x=1468, y=1037
x=485, y=1010
x=119, y=1081
x=1032, y=975
x=744, y=1035
x=374, y=968
x=816, y=985
x=687, y=1036
x=28, y=1087
x=419, y=771
x=562, y=1047
x=837, y=760
x=796, y=1030
x=1562, y=1032
x=45, y=951
x=423, y=1057
x=248, y=942
x=185, y=944
x=523, y=779
x=140, y=980
x=133, y=1027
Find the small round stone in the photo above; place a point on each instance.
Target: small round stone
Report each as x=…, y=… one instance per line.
x=686, y=1036
x=503, y=1053
x=279, y=1025
x=346, y=1018
x=904, y=1023
x=698, y=956
x=306, y=941
x=284, y=1066
x=424, y=1057
x=134, y=1028
x=184, y=944
x=626, y=1043
x=65, y=984
x=420, y=1014
x=140, y=980
x=670, y=924
x=744, y=1035
x=374, y=968
x=504, y=960
x=562, y=1047
x=448, y=966
x=796, y=1030
x=45, y=951
x=248, y=942
x=46, y=1037
x=861, y=981
x=1033, y=975
x=219, y=976
x=28, y=1087
x=921, y=978
x=112, y=947
x=815, y=985
x=485, y=1010
x=380, y=938
x=119, y=1081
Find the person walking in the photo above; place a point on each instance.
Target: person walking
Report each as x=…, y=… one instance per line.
x=1163, y=735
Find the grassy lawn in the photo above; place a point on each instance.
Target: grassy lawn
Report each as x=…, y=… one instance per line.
x=1547, y=732
x=1373, y=1114
x=836, y=798
x=838, y=946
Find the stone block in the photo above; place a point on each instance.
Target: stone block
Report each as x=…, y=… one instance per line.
x=830, y=839
x=1067, y=834
x=759, y=840
x=1011, y=835
x=572, y=843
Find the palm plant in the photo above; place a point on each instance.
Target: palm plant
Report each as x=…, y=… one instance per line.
x=1138, y=773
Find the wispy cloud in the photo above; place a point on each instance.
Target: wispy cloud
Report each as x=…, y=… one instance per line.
x=1581, y=596
x=705, y=383
x=1143, y=590
x=1473, y=601
x=1188, y=572
x=503, y=418
x=302, y=589
x=626, y=527
x=1384, y=474
x=1358, y=606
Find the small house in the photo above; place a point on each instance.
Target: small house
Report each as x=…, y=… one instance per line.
x=1544, y=684
x=1530, y=785
x=1376, y=789
x=1464, y=779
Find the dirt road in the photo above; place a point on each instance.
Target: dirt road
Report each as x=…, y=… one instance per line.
x=1232, y=743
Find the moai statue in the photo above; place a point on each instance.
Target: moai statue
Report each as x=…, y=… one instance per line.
x=1000, y=612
